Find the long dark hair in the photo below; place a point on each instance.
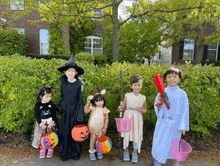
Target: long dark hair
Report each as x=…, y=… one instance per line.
x=43, y=91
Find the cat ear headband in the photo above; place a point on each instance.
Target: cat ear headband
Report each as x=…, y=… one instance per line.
x=101, y=93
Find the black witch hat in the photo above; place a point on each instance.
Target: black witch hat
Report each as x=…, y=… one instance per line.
x=71, y=63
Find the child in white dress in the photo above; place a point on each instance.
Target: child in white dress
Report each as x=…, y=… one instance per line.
x=134, y=105
x=98, y=120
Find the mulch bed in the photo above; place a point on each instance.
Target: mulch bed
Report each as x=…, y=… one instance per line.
x=15, y=145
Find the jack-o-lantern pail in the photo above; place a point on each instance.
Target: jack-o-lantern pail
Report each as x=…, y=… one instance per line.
x=103, y=144
x=49, y=140
x=80, y=133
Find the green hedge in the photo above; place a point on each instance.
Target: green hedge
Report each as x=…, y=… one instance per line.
x=12, y=42
x=85, y=57
x=100, y=59
x=22, y=77
x=213, y=62
x=44, y=56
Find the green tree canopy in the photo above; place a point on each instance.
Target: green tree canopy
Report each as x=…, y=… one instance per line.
x=185, y=18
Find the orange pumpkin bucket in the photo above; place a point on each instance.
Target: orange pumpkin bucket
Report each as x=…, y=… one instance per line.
x=49, y=140
x=80, y=133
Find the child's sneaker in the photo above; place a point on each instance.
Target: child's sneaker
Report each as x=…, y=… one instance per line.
x=134, y=158
x=50, y=153
x=157, y=163
x=100, y=156
x=126, y=156
x=92, y=156
x=42, y=153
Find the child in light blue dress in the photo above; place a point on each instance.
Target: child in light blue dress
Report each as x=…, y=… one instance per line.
x=173, y=122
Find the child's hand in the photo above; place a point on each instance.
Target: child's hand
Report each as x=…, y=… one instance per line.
x=49, y=126
x=43, y=126
x=88, y=100
x=160, y=101
x=103, y=131
x=120, y=108
x=140, y=109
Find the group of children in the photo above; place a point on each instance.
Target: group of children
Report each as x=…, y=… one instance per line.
x=170, y=123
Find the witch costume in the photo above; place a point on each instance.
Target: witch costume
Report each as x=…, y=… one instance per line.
x=170, y=123
x=71, y=110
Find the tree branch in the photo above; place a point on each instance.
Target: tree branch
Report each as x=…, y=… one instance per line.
x=176, y=10
x=69, y=3
x=161, y=11
x=78, y=15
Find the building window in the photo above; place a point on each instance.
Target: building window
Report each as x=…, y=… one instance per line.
x=97, y=13
x=20, y=30
x=188, y=49
x=212, y=51
x=44, y=41
x=93, y=45
x=17, y=5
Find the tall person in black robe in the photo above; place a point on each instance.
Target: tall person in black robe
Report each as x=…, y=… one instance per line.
x=71, y=109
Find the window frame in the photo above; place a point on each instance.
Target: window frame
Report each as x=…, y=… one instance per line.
x=18, y=6
x=92, y=48
x=41, y=43
x=216, y=56
x=20, y=30
x=192, y=57
x=98, y=14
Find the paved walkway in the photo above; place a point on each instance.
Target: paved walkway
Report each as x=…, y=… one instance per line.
x=84, y=161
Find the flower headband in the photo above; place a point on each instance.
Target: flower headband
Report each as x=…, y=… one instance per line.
x=177, y=70
x=99, y=93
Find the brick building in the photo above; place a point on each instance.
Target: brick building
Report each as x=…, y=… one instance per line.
x=38, y=35
x=186, y=49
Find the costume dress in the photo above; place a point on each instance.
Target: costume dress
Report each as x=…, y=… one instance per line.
x=72, y=113
x=136, y=134
x=170, y=122
x=96, y=120
x=45, y=114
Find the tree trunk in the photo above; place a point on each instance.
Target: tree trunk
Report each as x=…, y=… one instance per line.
x=116, y=28
x=66, y=36
x=199, y=54
x=200, y=46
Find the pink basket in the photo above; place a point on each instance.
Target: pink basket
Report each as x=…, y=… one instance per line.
x=124, y=124
x=183, y=153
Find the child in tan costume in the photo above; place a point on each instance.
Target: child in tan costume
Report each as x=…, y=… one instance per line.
x=98, y=120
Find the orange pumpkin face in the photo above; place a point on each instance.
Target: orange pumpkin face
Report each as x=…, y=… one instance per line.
x=80, y=133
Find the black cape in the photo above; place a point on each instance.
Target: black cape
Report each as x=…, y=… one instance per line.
x=72, y=113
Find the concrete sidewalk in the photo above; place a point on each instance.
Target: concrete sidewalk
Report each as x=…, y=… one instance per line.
x=84, y=161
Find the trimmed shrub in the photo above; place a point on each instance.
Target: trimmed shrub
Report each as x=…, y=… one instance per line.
x=12, y=42
x=39, y=56
x=100, y=59
x=211, y=62
x=85, y=57
x=22, y=78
